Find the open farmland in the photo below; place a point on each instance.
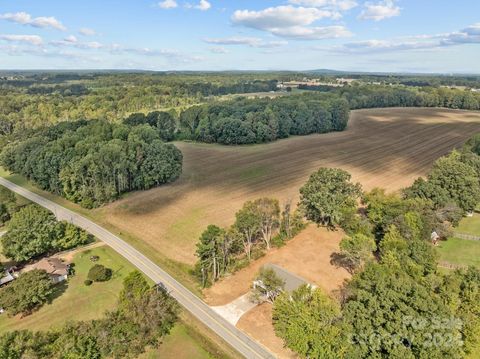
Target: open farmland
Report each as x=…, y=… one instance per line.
x=382, y=147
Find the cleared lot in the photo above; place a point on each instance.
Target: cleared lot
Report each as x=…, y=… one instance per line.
x=382, y=147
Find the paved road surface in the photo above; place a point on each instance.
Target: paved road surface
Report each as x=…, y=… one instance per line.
x=237, y=339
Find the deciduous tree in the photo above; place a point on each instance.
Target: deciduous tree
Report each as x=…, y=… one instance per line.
x=327, y=193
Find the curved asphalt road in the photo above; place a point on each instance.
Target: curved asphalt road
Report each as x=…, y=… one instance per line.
x=237, y=339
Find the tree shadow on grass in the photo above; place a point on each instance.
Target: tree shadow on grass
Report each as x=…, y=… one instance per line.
x=59, y=289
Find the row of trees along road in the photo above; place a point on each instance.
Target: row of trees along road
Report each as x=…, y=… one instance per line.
x=397, y=304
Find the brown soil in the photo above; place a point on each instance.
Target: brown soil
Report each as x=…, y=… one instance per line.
x=383, y=147
x=307, y=255
x=258, y=324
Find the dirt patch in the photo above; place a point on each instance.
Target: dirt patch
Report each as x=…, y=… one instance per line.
x=307, y=255
x=68, y=256
x=258, y=324
x=387, y=148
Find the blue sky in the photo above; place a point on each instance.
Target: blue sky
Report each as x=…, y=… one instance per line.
x=375, y=35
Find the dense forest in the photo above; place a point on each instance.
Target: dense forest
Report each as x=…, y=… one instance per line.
x=246, y=121
x=32, y=100
x=93, y=162
x=92, y=136
x=373, y=96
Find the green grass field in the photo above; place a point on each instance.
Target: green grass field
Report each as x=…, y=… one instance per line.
x=180, y=344
x=460, y=252
x=470, y=225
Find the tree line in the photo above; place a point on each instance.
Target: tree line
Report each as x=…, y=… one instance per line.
x=372, y=96
x=246, y=121
x=144, y=316
x=93, y=162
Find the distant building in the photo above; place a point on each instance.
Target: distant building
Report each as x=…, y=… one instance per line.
x=57, y=270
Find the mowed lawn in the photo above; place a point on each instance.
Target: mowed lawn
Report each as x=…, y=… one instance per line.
x=75, y=300
x=470, y=225
x=460, y=252
x=180, y=344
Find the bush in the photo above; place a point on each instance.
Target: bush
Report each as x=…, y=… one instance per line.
x=99, y=273
x=87, y=282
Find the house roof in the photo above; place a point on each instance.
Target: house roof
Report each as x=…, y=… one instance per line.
x=7, y=278
x=53, y=266
x=292, y=281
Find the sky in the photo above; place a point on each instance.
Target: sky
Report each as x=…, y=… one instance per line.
x=429, y=36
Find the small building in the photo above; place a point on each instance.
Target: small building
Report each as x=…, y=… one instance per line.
x=7, y=278
x=292, y=281
x=57, y=270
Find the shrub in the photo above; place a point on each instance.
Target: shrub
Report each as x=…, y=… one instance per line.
x=99, y=273
x=87, y=282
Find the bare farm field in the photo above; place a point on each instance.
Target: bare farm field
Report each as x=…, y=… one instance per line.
x=386, y=148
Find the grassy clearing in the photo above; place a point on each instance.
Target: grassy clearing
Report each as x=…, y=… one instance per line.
x=75, y=300
x=179, y=345
x=470, y=225
x=460, y=252
x=188, y=340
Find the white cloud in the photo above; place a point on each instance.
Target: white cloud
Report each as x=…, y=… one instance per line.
x=172, y=55
x=342, y=5
x=469, y=35
x=26, y=19
x=30, y=39
x=248, y=41
x=218, y=50
x=380, y=11
x=87, y=32
x=291, y=22
x=168, y=4
x=203, y=5
x=313, y=33
x=280, y=16
x=72, y=41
